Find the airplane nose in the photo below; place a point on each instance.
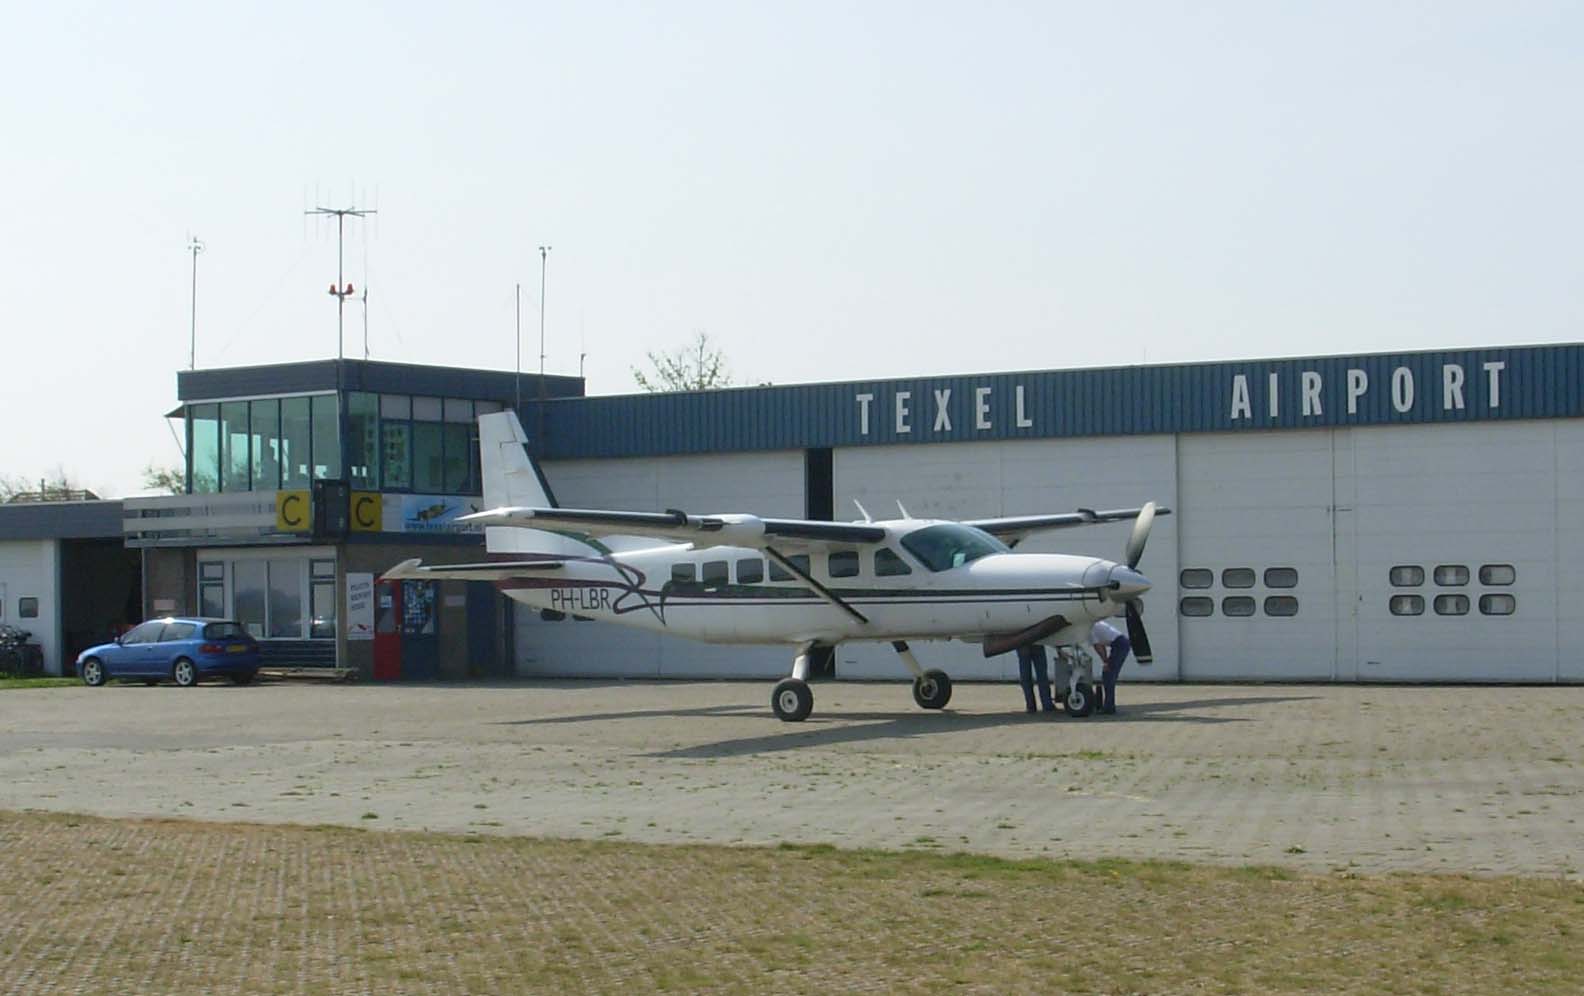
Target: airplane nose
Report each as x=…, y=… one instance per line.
x=1128, y=583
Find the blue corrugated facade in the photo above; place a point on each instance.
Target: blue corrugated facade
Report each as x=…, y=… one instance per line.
x=1376, y=389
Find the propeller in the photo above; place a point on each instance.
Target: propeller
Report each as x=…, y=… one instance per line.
x=1137, y=635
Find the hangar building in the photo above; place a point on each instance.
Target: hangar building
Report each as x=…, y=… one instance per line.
x=1394, y=517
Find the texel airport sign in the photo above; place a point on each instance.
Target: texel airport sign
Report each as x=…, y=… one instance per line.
x=1380, y=389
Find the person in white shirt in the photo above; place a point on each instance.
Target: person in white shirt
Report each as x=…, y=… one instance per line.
x=1113, y=647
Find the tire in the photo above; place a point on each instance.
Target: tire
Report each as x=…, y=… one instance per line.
x=184, y=673
x=792, y=701
x=93, y=673
x=932, y=689
x=1079, y=700
x=245, y=678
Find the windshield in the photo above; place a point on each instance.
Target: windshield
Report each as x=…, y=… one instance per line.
x=951, y=544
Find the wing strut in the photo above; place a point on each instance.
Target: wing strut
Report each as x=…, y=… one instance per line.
x=819, y=589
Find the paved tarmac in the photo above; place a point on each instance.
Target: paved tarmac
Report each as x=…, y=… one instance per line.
x=1482, y=780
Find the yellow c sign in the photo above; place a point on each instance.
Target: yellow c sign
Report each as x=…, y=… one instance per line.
x=293, y=513
x=368, y=512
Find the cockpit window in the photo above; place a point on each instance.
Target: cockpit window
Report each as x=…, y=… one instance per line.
x=950, y=544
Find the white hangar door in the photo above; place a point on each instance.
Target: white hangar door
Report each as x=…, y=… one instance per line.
x=1257, y=575
x=763, y=483
x=1457, y=543
x=1019, y=477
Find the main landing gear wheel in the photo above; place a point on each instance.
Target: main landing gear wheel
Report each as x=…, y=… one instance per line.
x=932, y=689
x=792, y=700
x=1080, y=700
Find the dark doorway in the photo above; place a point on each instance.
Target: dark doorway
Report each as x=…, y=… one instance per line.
x=819, y=484
x=101, y=583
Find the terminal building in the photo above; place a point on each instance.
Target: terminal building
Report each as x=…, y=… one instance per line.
x=1382, y=517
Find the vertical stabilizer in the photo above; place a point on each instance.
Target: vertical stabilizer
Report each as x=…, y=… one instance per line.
x=512, y=480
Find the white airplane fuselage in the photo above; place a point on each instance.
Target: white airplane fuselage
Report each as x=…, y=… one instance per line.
x=744, y=602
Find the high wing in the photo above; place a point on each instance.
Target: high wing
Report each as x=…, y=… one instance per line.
x=1015, y=529
x=700, y=530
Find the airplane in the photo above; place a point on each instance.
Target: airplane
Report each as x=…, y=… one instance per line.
x=746, y=579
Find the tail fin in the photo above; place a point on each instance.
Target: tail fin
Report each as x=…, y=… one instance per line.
x=512, y=479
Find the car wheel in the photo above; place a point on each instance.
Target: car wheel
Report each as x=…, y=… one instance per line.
x=93, y=672
x=185, y=673
x=245, y=678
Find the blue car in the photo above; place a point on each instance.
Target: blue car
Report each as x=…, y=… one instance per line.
x=181, y=649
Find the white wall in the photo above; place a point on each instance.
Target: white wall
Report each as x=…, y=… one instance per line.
x=31, y=569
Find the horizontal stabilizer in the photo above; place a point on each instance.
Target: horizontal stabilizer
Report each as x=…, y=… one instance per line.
x=497, y=570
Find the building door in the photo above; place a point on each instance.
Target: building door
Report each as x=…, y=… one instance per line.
x=420, y=630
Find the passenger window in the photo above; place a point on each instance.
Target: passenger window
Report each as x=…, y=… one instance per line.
x=1197, y=577
x=1281, y=577
x=1451, y=605
x=1498, y=574
x=1498, y=605
x=1196, y=605
x=1237, y=605
x=1407, y=576
x=27, y=607
x=1406, y=605
x=716, y=572
x=844, y=564
x=1238, y=577
x=889, y=565
x=146, y=633
x=684, y=572
x=177, y=631
x=1451, y=575
x=551, y=615
x=750, y=571
x=779, y=573
x=1281, y=605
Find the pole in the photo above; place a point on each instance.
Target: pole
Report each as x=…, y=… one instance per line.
x=195, y=247
x=340, y=282
x=517, y=371
x=544, y=256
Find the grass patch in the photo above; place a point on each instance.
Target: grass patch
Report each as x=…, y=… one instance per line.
x=330, y=909
x=6, y=681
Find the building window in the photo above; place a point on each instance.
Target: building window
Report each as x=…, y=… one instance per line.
x=211, y=590
x=396, y=471
x=1196, y=605
x=684, y=573
x=459, y=447
x=326, y=438
x=750, y=571
x=285, y=600
x=27, y=607
x=363, y=441
x=1281, y=605
x=798, y=560
x=1451, y=605
x=1281, y=577
x=716, y=572
x=428, y=457
x=1498, y=605
x=888, y=565
x=264, y=444
x=295, y=433
x=1197, y=577
x=1498, y=574
x=1237, y=605
x=1406, y=605
x=250, y=581
x=1451, y=575
x=204, y=474
x=1238, y=577
x=1407, y=576
x=844, y=564
x=234, y=446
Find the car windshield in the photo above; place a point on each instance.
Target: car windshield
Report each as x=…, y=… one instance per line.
x=223, y=631
x=950, y=544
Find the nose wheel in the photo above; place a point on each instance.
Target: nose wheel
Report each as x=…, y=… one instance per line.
x=1080, y=700
x=792, y=700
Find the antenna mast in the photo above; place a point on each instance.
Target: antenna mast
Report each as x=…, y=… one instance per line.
x=341, y=290
x=195, y=247
x=544, y=256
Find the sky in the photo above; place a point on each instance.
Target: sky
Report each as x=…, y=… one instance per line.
x=830, y=191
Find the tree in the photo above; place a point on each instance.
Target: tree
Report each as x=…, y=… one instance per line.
x=171, y=480
x=698, y=366
x=57, y=487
